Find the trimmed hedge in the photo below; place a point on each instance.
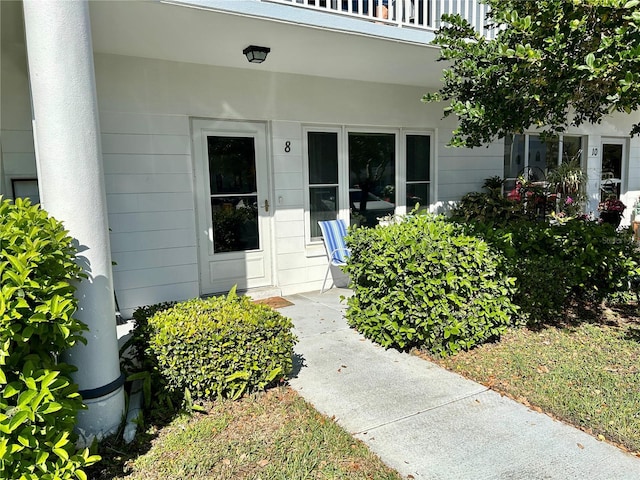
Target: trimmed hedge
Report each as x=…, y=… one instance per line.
x=221, y=346
x=38, y=401
x=425, y=283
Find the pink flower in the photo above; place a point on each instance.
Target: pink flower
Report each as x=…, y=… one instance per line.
x=568, y=201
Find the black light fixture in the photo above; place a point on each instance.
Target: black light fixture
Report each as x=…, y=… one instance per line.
x=256, y=54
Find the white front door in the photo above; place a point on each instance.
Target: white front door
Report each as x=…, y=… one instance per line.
x=233, y=205
x=613, y=173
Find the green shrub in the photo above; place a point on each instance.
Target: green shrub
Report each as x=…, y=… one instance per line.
x=221, y=346
x=424, y=283
x=490, y=206
x=39, y=402
x=554, y=264
x=140, y=364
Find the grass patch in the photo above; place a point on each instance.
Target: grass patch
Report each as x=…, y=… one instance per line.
x=585, y=374
x=271, y=435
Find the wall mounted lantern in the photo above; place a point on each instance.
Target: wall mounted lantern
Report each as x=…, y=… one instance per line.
x=256, y=54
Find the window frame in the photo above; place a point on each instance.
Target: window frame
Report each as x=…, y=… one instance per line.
x=528, y=135
x=343, y=131
x=402, y=189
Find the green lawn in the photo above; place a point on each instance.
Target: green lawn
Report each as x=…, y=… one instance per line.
x=273, y=435
x=585, y=374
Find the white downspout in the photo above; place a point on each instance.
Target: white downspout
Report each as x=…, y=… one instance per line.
x=69, y=160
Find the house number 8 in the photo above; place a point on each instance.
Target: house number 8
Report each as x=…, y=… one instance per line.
x=287, y=146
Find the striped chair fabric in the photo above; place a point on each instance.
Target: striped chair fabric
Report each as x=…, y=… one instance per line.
x=333, y=233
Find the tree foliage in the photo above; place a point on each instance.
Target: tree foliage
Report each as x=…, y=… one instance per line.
x=552, y=63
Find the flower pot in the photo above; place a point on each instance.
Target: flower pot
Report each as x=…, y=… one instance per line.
x=612, y=218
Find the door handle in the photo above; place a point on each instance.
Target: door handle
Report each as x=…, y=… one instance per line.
x=266, y=205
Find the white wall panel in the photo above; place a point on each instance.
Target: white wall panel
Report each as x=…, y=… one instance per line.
x=151, y=221
x=153, y=240
x=148, y=183
x=128, y=279
x=146, y=163
x=19, y=163
x=149, y=144
x=149, y=202
x=140, y=123
x=129, y=299
x=290, y=245
x=17, y=141
x=146, y=259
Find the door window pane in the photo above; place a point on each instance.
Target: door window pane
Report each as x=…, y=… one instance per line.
x=418, y=170
x=611, y=170
x=371, y=177
x=235, y=223
x=232, y=165
x=234, y=197
x=323, y=179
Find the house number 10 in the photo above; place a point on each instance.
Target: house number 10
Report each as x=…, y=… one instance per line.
x=287, y=146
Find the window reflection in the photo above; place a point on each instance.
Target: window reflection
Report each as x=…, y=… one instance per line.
x=371, y=177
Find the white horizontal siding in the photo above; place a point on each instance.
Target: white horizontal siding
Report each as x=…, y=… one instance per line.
x=154, y=240
x=143, y=124
x=287, y=163
x=19, y=163
x=130, y=299
x=148, y=183
x=150, y=221
x=145, y=144
x=149, y=202
x=146, y=163
x=149, y=186
x=464, y=170
x=18, y=157
x=17, y=141
x=150, y=259
x=127, y=279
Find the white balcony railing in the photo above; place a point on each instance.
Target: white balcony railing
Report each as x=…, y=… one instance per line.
x=420, y=14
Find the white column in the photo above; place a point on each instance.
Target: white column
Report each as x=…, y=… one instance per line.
x=69, y=161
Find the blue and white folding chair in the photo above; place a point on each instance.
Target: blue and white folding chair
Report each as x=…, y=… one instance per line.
x=333, y=233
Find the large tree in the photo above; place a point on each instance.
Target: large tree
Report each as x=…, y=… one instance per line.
x=552, y=63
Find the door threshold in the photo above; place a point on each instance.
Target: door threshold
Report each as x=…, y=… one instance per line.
x=258, y=293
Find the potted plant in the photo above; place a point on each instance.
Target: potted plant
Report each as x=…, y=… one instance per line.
x=611, y=211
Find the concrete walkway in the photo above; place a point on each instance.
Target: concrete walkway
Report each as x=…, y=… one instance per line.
x=427, y=422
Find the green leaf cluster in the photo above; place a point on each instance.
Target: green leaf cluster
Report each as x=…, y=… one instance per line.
x=490, y=206
x=38, y=400
x=552, y=63
x=578, y=260
x=220, y=346
x=426, y=283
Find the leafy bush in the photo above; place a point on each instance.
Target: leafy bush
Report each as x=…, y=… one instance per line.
x=553, y=264
x=39, y=402
x=221, y=346
x=425, y=283
x=140, y=364
x=490, y=206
